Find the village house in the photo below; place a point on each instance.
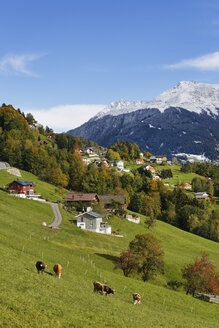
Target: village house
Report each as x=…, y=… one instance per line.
x=92, y=221
x=41, y=142
x=139, y=161
x=187, y=186
x=24, y=189
x=150, y=168
x=117, y=163
x=204, y=195
x=155, y=177
x=110, y=201
x=86, y=199
x=88, y=150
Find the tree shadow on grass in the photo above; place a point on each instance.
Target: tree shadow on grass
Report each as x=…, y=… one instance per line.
x=109, y=257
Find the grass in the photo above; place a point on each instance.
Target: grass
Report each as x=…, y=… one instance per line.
x=177, y=174
x=31, y=300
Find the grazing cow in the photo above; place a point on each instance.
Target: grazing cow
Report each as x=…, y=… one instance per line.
x=108, y=290
x=58, y=270
x=98, y=287
x=136, y=298
x=40, y=266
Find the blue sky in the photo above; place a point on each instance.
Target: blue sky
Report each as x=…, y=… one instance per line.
x=63, y=60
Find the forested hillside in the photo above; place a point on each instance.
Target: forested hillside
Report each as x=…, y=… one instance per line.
x=56, y=158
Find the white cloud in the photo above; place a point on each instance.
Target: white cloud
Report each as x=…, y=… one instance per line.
x=12, y=63
x=65, y=117
x=207, y=62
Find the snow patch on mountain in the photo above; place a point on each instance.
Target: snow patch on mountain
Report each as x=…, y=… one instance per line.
x=190, y=95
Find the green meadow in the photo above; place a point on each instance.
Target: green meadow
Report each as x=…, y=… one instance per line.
x=28, y=299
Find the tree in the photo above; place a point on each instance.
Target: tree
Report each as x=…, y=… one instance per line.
x=76, y=173
x=200, y=276
x=150, y=253
x=128, y=262
x=167, y=173
x=136, y=203
x=112, y=155
x=30, y=119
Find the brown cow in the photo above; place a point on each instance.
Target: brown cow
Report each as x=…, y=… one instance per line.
x=108, y=290
x=58, y=270
x=102, y=289
x=98, y=287
x=136, y=298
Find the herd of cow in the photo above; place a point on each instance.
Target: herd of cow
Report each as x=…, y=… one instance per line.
x=42, y=266
x=98, y=287
x=104, y=289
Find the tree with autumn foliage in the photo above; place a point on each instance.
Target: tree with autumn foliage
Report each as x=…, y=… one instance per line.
x=145, y=257
x=201, y=276
x=128, y=262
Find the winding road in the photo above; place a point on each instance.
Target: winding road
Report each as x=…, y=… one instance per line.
x=57, y=216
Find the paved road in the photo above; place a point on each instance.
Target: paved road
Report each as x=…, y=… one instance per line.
x=57, y=216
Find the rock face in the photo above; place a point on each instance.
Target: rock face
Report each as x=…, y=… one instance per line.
x=184, y=119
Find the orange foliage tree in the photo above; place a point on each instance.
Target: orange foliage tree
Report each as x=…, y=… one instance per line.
x=201, y=276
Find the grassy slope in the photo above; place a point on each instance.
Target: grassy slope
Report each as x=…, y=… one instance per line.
x=31, y=300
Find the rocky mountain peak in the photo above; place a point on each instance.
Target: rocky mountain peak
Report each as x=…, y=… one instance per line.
x=190, y=95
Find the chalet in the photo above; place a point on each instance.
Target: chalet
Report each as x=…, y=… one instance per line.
x=22, y=187
x=92, y=221
x=139, y=161
x=158, y=159
x=41, y=142
x=110, y=201
x=117, y=163
x=150, y=168
x=187, y=186
x=155, y=177
x=85, y=199
x=204, y=195
x=90, y=151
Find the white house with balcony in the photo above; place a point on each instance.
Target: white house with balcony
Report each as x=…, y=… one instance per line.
x=92, y=221
x=117, y=163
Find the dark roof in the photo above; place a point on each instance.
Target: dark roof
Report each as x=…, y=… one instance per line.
x=92, y=214
x=83, y=197
x=108, y=199
x=23, y=183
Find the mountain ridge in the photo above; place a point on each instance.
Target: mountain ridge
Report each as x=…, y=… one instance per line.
x=190, y=95
x=166, y=128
